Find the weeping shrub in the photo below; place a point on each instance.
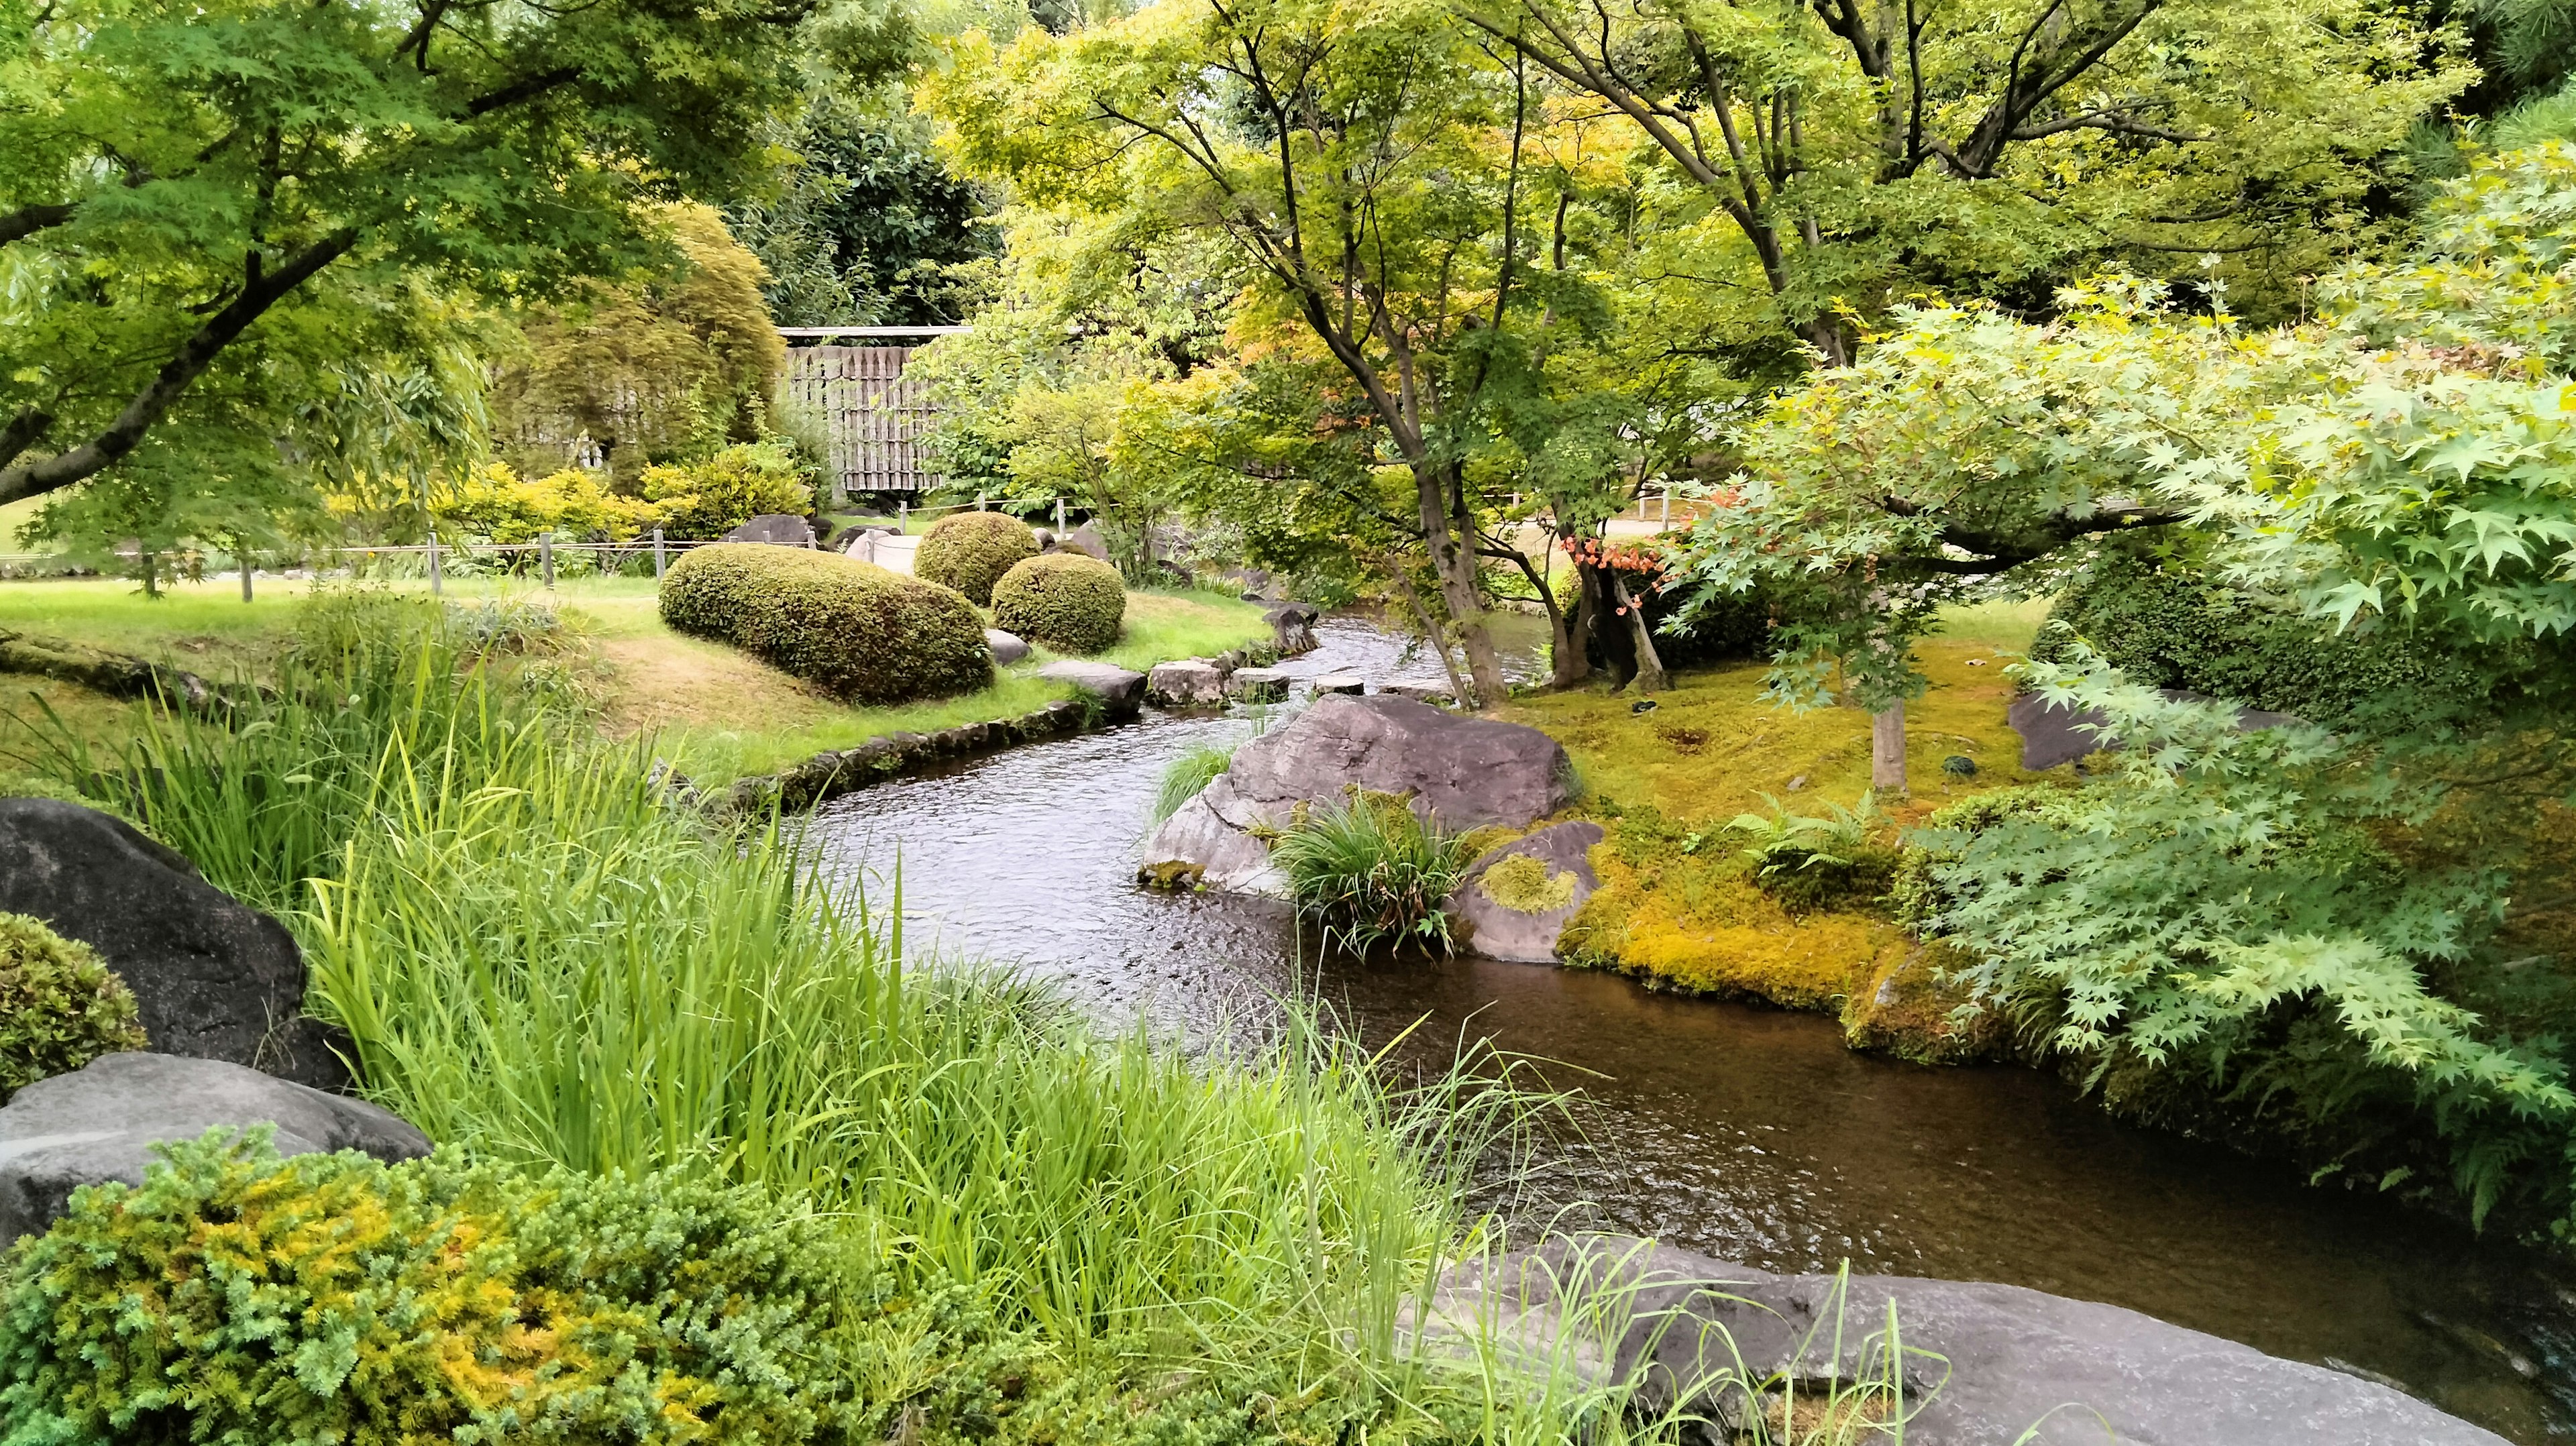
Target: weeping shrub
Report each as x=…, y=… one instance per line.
x=60, y=1008
x=866, y=634
x=970, y=551
x=1368, y=870
x=1070, y=602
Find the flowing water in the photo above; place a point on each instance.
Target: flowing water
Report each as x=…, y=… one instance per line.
x=1750, y=1134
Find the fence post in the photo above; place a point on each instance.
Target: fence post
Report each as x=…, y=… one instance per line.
x=979, y=501
x=437, y=582
x=657, y=555
x=1059, y=517
x=903, y=517
x=546, y=556
x=1668, y=504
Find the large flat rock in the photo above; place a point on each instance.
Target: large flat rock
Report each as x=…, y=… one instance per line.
x=212, y=977
x=1984, y=1364
x=1464, y=772
x=1497, y=922
x=1120, y=691
x=99, y=1123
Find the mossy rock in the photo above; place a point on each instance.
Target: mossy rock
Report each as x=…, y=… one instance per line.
x=1171, y=877
x=1069, y=602
x=60, y=1008
x=860, y=632
x=970, y=551
x=1523, y=884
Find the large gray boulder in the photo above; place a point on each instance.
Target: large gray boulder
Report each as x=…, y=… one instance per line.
x=1497, y=920
x=1983, y=1363
x=779, y=529
x=1008, y=648
x=1121, y=691
x=1465, y=772
x=99, y=1123
x=212, y=978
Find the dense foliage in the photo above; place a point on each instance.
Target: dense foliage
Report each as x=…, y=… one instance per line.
x=331, y=1299
x=850, y=627
x=710, y=497
x=1369, y=870
x=1066, y=600
x=970, y=551
x=60, y=1008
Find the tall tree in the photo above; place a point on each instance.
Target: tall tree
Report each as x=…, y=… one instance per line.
x=1861, y=150
x=212, y=214
x=1358, y=163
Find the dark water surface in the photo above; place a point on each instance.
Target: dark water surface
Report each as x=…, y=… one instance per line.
x=1749, y=1134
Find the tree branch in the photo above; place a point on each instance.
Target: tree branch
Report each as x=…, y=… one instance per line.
x=198, y=352
x=28, y=220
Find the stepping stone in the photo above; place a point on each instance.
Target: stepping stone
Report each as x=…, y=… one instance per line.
x=1258, y=685
x=1187, y=683
x=1119, y=691
x=1351, y=683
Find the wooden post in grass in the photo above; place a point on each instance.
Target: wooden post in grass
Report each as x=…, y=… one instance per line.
x=658, y=563
x=1059, y=517
x=546, y=556
x=437, y=582
x=1887, y=750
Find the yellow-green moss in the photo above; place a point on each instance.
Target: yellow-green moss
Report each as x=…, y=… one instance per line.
x=1522, y=884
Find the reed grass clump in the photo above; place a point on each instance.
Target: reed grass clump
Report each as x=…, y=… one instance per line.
x=1369, y=870
x=1188, y=775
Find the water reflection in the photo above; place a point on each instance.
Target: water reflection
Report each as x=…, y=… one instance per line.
x=1751, y=1134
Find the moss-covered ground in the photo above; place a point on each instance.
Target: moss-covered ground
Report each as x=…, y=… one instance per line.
x=716, y=713
x=1680, y=908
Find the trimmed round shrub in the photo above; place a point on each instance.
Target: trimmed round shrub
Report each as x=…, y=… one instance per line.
x=1070, y=602
x=970, y=551
x=235, y=1296
x=864, y=633
x=59, y=1006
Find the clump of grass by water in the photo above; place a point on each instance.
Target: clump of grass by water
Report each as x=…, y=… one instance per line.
x=1188, y=775
x=1369, y=870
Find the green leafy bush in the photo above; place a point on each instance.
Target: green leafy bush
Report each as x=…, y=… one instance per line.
x=1070, y=602
x=2169, y=628
x=236, y=1296
x=868, y=635
x=59, y=1006
x=970, y=551
x=1811, y=862
x=1915, y=892
x=713, y=497
x=1370, y=870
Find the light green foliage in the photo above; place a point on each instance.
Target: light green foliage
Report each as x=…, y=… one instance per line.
x=2495, y=267
x=661, y=365
x=234, y=236
x=1067, y=601
x=330, y=1299
x=494, y=503
x=970, y=551
x=2221, y=882
x=1370, y=871
x=861, y=632
x=1188, y=775
x=59, y=1007
x=1813, y=861
x=710, y=497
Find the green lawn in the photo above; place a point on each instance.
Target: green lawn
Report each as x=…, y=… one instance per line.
x=716, y=713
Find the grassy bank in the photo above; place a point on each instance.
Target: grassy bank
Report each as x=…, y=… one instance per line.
x=1681, y=909
x=715, y=712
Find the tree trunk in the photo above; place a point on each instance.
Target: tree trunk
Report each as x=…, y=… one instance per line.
x=1593, y=618
x=1455, y=565
x=1430, y=630
x=1887, y=749
x=1651, y=677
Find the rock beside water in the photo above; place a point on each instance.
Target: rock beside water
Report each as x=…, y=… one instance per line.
x=1495, y=925
x=1120, y=691
x=1185, y=683
x=99, y=1123
x=1466, y=772
x=1995, y=1361
x=212, y=977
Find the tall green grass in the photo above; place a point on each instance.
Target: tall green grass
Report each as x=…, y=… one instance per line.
x=1368, y=870
x=1188, y=774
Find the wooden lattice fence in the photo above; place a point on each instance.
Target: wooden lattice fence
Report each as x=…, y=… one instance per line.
x=871, y=413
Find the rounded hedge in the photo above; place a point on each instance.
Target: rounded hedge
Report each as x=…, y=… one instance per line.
x=1070, y=602
x=864, y=633
x=59, y=1006
x=970, y=551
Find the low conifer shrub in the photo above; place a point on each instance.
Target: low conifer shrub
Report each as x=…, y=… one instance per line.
x=60, y=1008
x=1066, y=600
x=970, y=551
x=864, y=633
x=235, y=1296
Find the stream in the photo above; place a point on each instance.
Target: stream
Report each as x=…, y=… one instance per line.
x=1747, y=1133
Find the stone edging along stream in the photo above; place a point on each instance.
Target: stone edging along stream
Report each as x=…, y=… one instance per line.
x=831, y=773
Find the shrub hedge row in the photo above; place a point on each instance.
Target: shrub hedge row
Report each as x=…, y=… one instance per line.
x=2161, y=626
x=866, y=634
x=1068, y=601
x=970, y=551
